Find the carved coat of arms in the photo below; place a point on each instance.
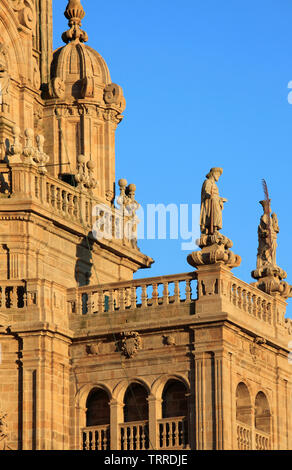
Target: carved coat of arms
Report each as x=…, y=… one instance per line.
x=130, y=343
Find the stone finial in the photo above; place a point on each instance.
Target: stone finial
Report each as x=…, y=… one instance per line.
x=29, y=150
x=74, y=13
x=215, y=247
x=84, y=176
x=15, y=151
x=40, y=156
x=268, y=275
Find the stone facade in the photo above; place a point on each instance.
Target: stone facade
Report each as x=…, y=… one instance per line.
x=90, y=358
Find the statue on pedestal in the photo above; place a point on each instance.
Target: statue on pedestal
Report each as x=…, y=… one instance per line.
x=268, y=275
x=215, y=247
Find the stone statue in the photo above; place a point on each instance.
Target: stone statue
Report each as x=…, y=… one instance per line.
x=269, y=276
x=211, y=203
x=4, y=80
x=267, y=236
x=215, y=247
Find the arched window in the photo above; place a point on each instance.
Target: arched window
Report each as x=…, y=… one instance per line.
x=135, y=403
x=98, y=409
x=262, y=413
x=243, y=404
x=174, y=400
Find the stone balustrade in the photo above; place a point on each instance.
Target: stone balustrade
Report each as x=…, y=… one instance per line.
x=244, y=437
x=13, y=295
x=251, y=300
x=96, y=438
x=262, y=441
x=70, y=203
x=248, y=439
x=134, y=435
x=141, y=293
x=173, y=433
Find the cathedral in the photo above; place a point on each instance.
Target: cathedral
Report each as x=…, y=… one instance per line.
x=91, y=359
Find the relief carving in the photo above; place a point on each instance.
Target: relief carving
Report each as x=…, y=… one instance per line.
x=4, y=80
x=3, y=431
x=25, y=11
x=131, y=344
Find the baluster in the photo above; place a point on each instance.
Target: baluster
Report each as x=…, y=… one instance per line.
x=154, y=295
x=36, y=187
x=188, y=291
x=165, y=293
x=130, y=443
x=162, y=427
x=100, y=302
x=143, y=437
x=13, y=297
x=172, y=433
x=85, y=440
x=64, y=202
x=3, y=297
x=48, y=193
x=111, y=304
x=244, y=299
x=144, y=297
x=239, y=299
x=70, y=204
x=53, y=195
x=259, y=308
x=176, y=292
x=89, y=303
x=127, y=297
x=133, y=297
x=75, y=206
x=122, y=298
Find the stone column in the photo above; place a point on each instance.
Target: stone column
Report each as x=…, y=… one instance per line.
x=155, y=407
x=116, y=417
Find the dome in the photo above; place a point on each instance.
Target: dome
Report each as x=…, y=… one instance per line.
x=78, y=71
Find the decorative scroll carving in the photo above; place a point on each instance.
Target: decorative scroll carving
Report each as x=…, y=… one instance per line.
x=57, y=88
x=113, y=95
x=25, y=11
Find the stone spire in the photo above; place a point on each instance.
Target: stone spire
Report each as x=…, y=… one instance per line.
x=74, y=13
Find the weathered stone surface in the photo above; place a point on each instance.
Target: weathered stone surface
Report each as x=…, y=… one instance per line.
x=203, y=355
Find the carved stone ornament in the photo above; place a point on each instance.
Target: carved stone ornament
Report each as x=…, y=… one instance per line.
x=131, y=343
x=36, y=74
x=25, y=11
x=57, y=88
x=169, y=340
x=215, y=249
x=93, y=349
x=4, y=79
x=3, y=431
x=254, y=347
x=113, y=95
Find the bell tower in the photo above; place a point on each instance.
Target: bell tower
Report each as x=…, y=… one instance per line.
x=83, y=109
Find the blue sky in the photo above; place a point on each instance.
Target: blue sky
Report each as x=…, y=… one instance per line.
x=206, y=84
